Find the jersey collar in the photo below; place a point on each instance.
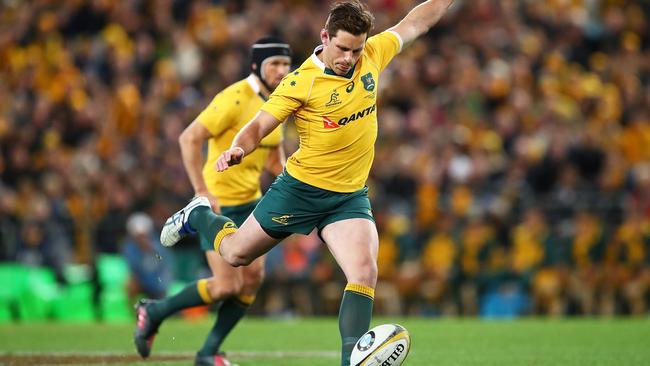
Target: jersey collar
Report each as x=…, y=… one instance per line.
x=253, y=82
x=327, y=70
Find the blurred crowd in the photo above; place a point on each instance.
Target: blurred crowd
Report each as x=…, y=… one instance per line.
x=512, y=172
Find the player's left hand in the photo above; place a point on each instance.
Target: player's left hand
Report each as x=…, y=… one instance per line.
x=232, y=156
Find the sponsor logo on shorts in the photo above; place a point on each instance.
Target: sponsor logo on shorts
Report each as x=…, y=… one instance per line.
x=282, y=220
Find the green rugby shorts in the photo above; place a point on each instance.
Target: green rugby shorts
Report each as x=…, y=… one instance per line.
x=291, y=206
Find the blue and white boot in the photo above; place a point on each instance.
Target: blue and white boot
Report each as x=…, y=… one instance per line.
x=178, y=225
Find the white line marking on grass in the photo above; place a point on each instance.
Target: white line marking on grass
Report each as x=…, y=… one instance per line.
x=282, y=354
x=241, y=354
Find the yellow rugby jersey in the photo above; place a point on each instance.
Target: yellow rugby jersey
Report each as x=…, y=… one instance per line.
x=336, y=116
x=228, y=112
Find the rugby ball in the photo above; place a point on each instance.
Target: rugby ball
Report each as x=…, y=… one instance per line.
x=383, y=345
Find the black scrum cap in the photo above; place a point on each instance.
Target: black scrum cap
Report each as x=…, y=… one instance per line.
x=264, y=49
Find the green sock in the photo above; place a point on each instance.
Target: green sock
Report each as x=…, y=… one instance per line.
x=188, y=297
x=208, y=224
x=354, y=320
x=229, y=314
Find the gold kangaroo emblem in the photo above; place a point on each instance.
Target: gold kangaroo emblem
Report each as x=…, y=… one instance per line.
x=283, y=220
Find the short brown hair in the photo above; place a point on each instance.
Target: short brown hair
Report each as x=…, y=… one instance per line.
x=351, y=16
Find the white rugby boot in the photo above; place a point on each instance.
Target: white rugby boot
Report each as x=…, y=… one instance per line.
x=178, y=225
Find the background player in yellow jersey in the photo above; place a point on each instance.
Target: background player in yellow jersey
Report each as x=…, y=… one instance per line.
x=333, y=98
x=233, y=194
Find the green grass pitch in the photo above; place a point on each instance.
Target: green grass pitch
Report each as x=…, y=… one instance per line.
x=315, y=342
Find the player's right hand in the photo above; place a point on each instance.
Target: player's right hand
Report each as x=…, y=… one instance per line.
x=232, y=156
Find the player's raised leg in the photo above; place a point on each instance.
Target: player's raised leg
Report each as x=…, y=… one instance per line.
x=239, y=247
x=196, y=217
x=354, y=244
x=249, y=242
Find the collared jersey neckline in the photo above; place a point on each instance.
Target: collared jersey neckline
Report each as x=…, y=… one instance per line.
x=327, y=70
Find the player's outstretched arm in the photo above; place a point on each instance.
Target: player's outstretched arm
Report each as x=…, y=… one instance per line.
x=420, y=19
x=247, y=139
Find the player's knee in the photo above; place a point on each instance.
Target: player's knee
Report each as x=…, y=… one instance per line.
x=220, y=289
x=239, y=258
x=365, y=274
x=232, y=257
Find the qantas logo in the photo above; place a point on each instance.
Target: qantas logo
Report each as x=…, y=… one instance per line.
x=358, y=115
x=328, y=123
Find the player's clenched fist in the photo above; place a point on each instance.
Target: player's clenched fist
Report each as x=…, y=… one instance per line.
x=229, y=157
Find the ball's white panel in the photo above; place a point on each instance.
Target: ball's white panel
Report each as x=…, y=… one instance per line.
x=383, y=345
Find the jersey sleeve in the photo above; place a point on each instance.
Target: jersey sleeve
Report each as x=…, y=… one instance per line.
x=288, y=97
x=217, y=116
x=381, y=48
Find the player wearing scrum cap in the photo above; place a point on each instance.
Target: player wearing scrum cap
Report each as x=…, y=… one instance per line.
x=234, y=194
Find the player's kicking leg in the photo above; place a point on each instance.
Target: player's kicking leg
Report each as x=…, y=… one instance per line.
x=239, y=247
x=193, y=218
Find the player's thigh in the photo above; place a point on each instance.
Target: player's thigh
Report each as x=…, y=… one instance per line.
x=354, y=244
x=250, y=241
